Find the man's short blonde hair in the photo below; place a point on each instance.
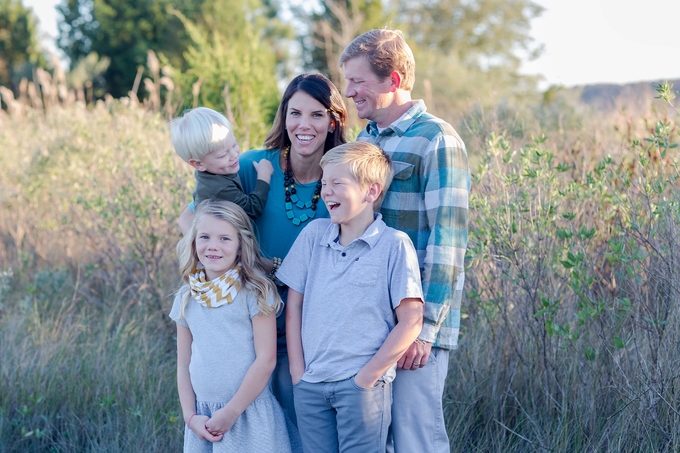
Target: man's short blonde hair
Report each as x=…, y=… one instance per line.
x=199, y=132
x=367, y=164
x=386, y=51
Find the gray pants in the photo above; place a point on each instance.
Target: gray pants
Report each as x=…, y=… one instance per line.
x=342, y=417
x=417, y=410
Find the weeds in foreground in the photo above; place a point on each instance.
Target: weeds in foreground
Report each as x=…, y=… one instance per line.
x=571, y=321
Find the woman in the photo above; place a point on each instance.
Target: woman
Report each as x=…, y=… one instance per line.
x=310, y=120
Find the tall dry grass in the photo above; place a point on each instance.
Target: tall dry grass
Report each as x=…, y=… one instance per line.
x=90, y=197
x=573, y=326
x=571, y=322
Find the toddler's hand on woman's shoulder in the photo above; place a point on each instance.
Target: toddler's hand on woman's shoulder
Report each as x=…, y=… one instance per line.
x=264, y=170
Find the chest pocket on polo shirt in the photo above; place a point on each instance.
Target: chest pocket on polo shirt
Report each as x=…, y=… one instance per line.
x=363, y=273
x=402, y=170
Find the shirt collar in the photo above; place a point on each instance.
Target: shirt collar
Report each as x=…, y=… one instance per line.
x=370, y=236
x=401, y=125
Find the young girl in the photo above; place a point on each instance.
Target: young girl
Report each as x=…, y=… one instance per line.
x=226, y=338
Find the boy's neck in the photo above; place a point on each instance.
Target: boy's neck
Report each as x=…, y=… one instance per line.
x=356, y=227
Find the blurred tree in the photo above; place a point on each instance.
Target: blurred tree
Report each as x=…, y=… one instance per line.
x=483, y=34
x=19, y=49
x=328, y=29
x=123, y=31
x=231, y=68
x=469, y=51
x=466, y=50
x=332, y=28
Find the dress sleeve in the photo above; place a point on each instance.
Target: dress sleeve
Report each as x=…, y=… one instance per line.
x=175, y=312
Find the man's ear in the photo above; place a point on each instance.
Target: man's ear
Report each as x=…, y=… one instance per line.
x=395, y=81
x=197, y=164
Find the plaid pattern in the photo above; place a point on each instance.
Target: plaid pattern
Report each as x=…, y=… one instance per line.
x=428, y=200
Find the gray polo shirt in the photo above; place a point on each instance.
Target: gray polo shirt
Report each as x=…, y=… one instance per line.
x=350, y=293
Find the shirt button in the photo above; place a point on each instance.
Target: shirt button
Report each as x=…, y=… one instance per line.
x=344, y=254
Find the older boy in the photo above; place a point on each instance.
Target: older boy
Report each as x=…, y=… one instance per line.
x=428, y=200
x=204, y=139
x=354, y=307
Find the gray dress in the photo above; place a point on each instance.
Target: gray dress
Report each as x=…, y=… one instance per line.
x=222, y=350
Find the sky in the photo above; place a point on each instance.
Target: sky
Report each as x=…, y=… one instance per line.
x=585, y=41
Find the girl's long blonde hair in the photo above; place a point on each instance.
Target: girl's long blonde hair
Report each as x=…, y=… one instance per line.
x=253, y=275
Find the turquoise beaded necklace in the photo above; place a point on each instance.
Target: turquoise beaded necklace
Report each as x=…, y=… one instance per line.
x=291, y=194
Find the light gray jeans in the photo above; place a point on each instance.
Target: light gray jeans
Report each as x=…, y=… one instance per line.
x=342, y=417
x=417, y=409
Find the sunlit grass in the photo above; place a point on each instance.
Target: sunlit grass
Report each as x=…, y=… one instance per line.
x=571, y=325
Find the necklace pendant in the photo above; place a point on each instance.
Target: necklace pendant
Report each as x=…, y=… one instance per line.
x=291, y=197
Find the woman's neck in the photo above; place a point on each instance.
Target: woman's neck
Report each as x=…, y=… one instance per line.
x=306, y=169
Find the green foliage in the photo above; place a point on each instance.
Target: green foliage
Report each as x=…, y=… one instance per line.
x=87, y=241
x=574, y=286
x=19, y=49
x=124, y=32
x=235, y=74
x=333, y=25
x=468, y=51
x=481, y=34
x=571, y=321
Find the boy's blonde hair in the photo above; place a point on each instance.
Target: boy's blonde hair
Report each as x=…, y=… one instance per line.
x=386, y=51
x=198, y=132
x=253, y=275
x=367, y=164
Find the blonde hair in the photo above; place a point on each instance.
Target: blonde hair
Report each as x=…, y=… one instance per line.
x=367, y=164
x=253, y=275
x=386, y=51
x=199, y=132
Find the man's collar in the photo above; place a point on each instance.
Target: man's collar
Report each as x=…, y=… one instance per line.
x=401, y=124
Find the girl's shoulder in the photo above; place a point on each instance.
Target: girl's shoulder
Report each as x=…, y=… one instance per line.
x=250, y=296
x=176, y=310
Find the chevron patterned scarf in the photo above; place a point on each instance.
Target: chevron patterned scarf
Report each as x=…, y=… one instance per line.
x=218, y=291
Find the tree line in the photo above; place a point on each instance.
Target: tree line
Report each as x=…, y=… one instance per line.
x=236, y=52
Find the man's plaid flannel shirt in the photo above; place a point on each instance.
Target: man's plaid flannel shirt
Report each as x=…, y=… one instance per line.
x=428, y=200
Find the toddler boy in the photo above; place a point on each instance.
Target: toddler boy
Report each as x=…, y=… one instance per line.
x=204, y=139
x=354, y=307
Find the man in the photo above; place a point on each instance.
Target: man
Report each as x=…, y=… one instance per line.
x=428, y=200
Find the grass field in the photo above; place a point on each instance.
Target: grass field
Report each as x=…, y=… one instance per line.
x=571, y=324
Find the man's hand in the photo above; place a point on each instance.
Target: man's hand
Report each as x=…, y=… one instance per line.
x=416, y=356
